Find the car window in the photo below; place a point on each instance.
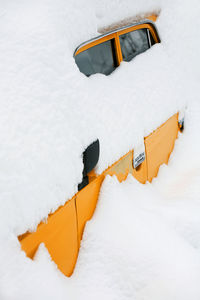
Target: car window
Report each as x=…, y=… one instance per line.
x=133, y=43
x=123, y=44
x=97, y=59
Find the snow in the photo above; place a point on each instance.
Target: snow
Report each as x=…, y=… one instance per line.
x=134, y=251
x=50, y=113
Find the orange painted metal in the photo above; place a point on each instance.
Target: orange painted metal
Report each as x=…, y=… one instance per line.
x=121, y=168
x=118, y=49
x=159, y=146
x=59, y=234
x=140, y=173
x=152, y=17
x=86, y=201
x=124, y=166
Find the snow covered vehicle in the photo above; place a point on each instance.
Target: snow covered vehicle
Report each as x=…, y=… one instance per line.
x=63, y=230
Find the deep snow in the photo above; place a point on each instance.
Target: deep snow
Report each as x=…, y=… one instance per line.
x=143, y=241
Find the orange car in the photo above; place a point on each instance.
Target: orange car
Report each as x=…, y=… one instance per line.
x=63, y=230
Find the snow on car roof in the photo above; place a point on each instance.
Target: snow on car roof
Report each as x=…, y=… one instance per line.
x=129, y=21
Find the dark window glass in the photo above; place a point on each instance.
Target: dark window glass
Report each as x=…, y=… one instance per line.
x=98, y=59
x=133, y=43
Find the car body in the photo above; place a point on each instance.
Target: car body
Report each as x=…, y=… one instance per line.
x=62, y=233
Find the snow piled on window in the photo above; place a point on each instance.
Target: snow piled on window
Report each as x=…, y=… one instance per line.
x=50, y=112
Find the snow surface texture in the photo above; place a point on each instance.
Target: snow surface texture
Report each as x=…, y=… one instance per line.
x=144, y=240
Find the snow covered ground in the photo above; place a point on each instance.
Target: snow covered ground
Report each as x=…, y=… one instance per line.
x=144, y=240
